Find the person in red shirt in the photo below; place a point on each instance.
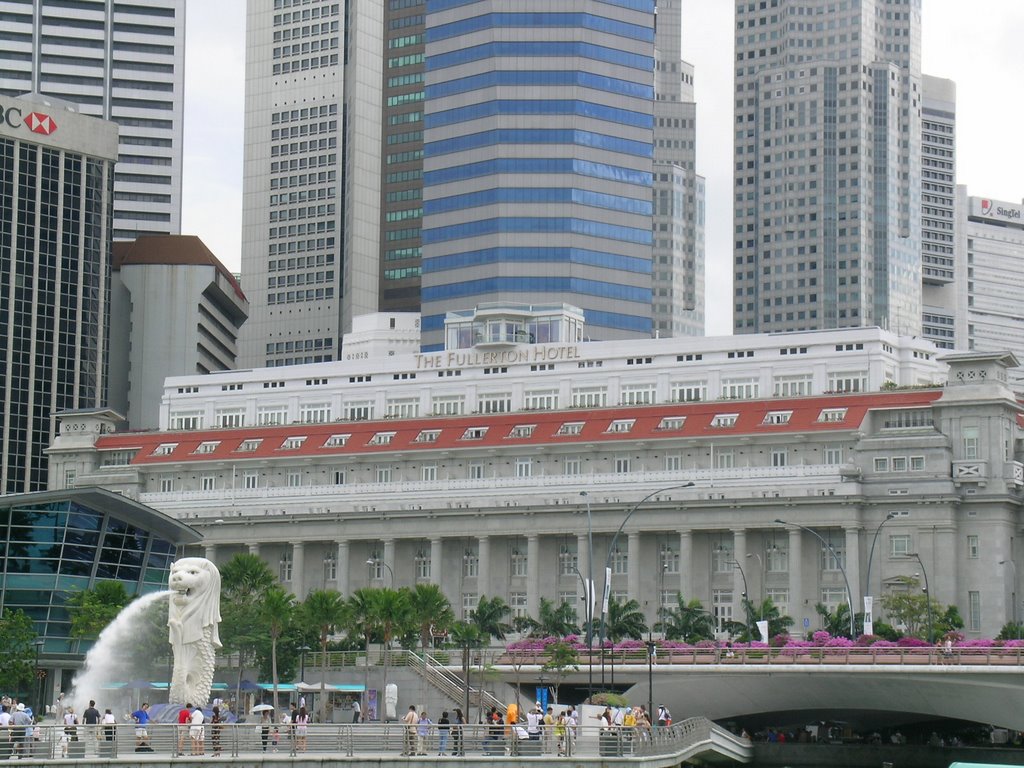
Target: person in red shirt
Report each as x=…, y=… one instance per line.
x=183, y=722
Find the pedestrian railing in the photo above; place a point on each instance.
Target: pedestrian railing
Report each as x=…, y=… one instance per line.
x=186, y=742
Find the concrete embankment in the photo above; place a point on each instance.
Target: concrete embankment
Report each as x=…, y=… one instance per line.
x=879, y=755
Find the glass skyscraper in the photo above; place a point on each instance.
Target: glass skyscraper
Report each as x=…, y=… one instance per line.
x=538, y=152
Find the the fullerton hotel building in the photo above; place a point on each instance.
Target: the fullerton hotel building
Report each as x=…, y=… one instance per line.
x=479, y=468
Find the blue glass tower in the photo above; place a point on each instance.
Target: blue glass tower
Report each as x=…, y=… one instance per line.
x=538, y=150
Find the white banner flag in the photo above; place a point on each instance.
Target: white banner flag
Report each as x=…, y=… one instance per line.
x=762, y=627
x=869, y=623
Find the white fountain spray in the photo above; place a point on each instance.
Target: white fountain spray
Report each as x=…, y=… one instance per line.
x=105, y=661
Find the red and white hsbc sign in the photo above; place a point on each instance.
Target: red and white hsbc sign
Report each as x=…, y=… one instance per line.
x=37, y=122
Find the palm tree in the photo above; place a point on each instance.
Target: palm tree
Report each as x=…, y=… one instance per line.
x=361, y=619
x=466, y=635
x=325, y=609
x=390, y=612
x=430, y=611
x=836, y=624
x=555, y=620
x=489, y=617
x=246, y=577
x=624, y=619
x=688, y=622
x=277, y=611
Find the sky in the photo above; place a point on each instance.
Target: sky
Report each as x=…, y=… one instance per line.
x=980, y=46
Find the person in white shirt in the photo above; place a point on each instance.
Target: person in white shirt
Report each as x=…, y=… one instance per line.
x=196, y=731
x=356, y=711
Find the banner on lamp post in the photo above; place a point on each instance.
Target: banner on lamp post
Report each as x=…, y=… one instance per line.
x=607, y=590
x=762, y=627
x=869, y=624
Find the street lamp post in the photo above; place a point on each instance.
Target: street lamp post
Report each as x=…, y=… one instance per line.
x=611, y=550
x=745, y=598
x=38, y=644
x=588, y=596
x=842, y=570
x=378, y=561
x=651, y=651
x=867, y=577
x=760, y=562
x=1013, y=596
x=302, y=662
x=927, y=593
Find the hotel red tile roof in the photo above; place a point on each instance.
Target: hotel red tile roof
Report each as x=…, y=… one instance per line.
x=632, y=423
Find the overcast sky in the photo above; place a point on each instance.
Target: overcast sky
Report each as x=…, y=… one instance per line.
x=980, y=46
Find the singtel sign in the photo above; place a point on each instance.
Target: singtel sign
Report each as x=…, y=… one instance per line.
x=993, y=209
x=37, y=122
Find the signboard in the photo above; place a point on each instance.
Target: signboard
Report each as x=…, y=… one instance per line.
x=996, y=210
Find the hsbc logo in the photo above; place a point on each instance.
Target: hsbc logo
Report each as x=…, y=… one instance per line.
x=37, y=122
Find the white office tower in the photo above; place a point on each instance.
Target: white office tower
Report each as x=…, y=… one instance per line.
x=827, y=209
x=678, y=245
x=123, y=62
x=311, y=177
x=938, y=212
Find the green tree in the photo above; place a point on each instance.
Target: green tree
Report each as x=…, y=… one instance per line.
x=489, y=617
x=17, y=661
x=624, y=619
x=555, y=620
x=91, y=610
x=468, y=635
x=245, y=579
x=1012, y=630
x=392, y=614
x=276, y=613
x=324, y=609
x=562, y=657
x=836, y=623
x=909, y=608
x=687, y=621
x=746, y=632
x=430, y=611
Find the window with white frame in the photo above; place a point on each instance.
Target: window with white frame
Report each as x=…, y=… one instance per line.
x=271, y=415
x=568, y=561
x=724, y=420
x=780, y=457
x=230, y=418
x=671, y=424
x=899, y=463
x=521, y=431
x=668, y=599
x=166, y=484
x=358, y=410
x=517, y=604
x=208, y=483
x=186, y=420
x=376, y=566
x=475, y=470
x=622, y=465
x=284, y=572
x=494, y=402
x=589, y=397
x=565, y=597
x=250, y=480
x=402, y=408
x=899, y=545
x=848, y=381
x=777, y=417
x=448, y=405
x=166, y=449
x=524, y=466
x=917, y=463
x=422, y=565
x=725, y=459
x=638, y=394
x=428, y=472
x=689, y=391
x=207, y=446
x=382, y=438
x=833, y=597
x=669, y=559
x=620, y=561
x=779, y=597
x=969, y=438
x=541, y=400
x=292, y=443
x=119, y=458
x=330, y=568
x=833, y=557
x=336, y=441
x=248, y=446
x=673, y=462
x=722, y=558
x=777, y=557
x=382, y=473
x=294, y=479
x=427, y=436
x=721, y=607
x=572, y=465
x=470, y=564
x=792, y=386
x=570, y=428
x=474, y=433
x=881, y=464
x=740, y=389
x=973, y=546
x=621, y=425
x=518, y=561
x=974, y=611
x=339, y=476
x=618, y=596
x=832, y=415
x=833, y=454
x=70, y=478
x=315, y=413
x=470, y=600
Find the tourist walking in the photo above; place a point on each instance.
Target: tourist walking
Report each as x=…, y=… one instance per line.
x=409, y=735
x=443, y=724
x=216, y=726
x=91, y=717
x=265, y=728
x=301, y=726
x=184, y=715
x=423, y=733
x=197, y=731
x=109, y=725
x=458, y=745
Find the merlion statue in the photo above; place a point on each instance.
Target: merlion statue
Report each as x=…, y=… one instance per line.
x=192, y=620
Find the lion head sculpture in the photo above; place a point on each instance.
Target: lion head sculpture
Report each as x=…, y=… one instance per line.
x=195, y=603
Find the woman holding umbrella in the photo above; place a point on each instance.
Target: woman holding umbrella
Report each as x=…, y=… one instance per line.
x=264, y=711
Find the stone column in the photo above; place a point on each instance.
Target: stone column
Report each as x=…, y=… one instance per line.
x=797, y=609
x=686, y=565
x=298, y=566
x=436, y=565
x=532, y=574
x=342, y=567
x=483, y=567
x=633, y=568
x=210, y=552
x=390, y=577
x=853, y=566
x=583, y=563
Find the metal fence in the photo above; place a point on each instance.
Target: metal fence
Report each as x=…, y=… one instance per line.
x=184, y=742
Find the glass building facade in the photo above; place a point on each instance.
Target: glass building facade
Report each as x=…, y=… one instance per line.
x=538, y=152
x=54, y=544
